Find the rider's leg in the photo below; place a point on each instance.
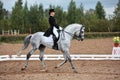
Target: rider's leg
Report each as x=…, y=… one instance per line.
x=55, y=39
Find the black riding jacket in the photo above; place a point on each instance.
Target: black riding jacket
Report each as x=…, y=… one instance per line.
x=53, y=22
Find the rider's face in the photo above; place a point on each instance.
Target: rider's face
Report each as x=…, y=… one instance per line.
x=52, y=14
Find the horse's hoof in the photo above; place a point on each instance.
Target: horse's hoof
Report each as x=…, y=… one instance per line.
x=23, y=69
x=55, y=67
x=75, y=72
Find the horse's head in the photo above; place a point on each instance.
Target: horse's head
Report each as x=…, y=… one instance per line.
x=80, y=33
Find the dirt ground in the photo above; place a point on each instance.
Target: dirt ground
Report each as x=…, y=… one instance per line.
x=87, y=70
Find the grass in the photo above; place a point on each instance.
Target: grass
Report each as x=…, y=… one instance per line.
x=13, y=42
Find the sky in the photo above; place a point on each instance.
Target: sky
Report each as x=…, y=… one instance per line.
x=109, y=5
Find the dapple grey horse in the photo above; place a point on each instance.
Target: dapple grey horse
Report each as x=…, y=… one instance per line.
x=38, y=41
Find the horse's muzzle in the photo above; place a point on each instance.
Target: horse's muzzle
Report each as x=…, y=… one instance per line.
x=80, y=39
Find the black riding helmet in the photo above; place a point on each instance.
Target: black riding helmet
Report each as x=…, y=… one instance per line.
x=51, y=10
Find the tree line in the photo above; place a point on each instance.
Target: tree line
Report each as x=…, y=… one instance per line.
x=36, y=18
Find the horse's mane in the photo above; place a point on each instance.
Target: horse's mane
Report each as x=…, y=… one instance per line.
x=71, y=25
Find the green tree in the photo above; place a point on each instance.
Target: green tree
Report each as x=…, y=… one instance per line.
x=59, y=16
x=34, y=18
x=41, y=12
x=26, y=18
x=4, y=21
x=17, y=16
x=79, y=14
x=102, y=24
x=91, y=21
x=117, y=18
x=43, y=20
x=100, y=10
x=71, y=12
x=117, y=10
x=1, y=11
x=64, y=21
x=1, y=15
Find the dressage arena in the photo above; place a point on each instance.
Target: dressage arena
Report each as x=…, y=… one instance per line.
x=87, y=69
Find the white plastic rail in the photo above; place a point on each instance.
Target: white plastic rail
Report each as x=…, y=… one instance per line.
x=60, y=57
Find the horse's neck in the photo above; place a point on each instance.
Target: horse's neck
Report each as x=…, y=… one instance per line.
x=71, y=29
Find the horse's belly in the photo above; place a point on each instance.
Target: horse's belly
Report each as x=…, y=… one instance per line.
x=47, y=41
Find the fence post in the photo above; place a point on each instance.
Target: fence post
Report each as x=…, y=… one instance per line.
x=14, y=32
x=11, y=32
x=18, y=32
x=108, y=29
x=2, y=32
x=8, y=32
x=89, y=29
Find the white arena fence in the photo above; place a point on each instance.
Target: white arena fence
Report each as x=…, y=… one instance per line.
x=114, y=56
x=60, y=57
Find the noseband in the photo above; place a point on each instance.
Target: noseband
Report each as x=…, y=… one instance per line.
x=81, y=32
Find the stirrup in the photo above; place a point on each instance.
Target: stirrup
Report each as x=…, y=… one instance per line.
x=55, y=47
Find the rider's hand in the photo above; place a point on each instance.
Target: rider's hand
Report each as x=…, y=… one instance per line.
x=60, y=28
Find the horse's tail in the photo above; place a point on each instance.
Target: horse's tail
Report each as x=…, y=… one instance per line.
x=26, y=43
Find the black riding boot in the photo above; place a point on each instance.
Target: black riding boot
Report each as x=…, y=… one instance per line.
x=55, y=46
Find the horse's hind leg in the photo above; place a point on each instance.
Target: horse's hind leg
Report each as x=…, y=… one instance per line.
x=20, y=52
x=26, y=43
x=27, y=58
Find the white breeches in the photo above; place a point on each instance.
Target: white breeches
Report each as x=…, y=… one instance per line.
x=56, y=32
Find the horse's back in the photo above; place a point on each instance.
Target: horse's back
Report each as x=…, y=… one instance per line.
x=36, y=38
x=38, y=33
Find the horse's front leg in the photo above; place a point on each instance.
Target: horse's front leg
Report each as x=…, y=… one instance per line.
x=69, y=59
x=62, y=63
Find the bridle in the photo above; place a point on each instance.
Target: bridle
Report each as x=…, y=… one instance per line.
x=73, y=34
x=81, y=32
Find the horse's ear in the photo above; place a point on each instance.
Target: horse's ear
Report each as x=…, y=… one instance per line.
x=83, y=26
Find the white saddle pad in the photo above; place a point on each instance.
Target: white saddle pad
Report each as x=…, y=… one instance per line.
x=55, y=31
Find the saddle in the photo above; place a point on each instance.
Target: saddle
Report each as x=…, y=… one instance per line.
x=56, y=35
